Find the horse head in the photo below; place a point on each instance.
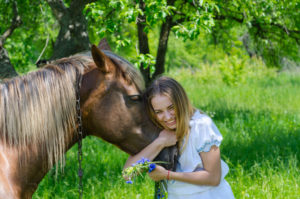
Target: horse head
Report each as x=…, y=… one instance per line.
x=112, y=107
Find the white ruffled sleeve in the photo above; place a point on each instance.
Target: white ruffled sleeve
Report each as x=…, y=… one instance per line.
x=205, y=133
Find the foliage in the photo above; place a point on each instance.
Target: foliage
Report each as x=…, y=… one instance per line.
x=108, y=19
x=261, y=28
x=267, y=28
x=26, y=43
x=112, y=17
x=212, y=64
x=198, y=17
x=116, y=20
x=147, y=60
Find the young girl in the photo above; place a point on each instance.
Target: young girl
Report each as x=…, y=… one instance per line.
x=200, y=172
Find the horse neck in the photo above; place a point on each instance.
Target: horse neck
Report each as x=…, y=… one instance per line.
x=40, y=158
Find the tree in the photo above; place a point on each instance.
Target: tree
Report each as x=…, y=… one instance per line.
x=266, y=28
x=66, y=36
x=270, y=28
x=185, y=18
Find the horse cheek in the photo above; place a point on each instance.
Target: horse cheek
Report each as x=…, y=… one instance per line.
x=107, y=120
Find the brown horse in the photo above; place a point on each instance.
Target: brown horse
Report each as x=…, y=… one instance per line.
x=38, y=116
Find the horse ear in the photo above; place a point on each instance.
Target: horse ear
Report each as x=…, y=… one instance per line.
x=99, y=59
x=103, y=45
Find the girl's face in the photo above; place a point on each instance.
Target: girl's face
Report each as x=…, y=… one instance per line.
x=165, y=111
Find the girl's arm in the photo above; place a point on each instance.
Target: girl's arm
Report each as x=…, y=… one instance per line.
x=211, y=174
x=165, y=139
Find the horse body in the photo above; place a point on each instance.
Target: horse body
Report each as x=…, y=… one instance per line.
x=33, y=139
x=18, y=181
x=8, y=164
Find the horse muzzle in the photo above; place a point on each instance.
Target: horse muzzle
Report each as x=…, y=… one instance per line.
x=169, y=155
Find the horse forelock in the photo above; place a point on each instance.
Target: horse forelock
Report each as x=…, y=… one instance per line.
x=39, y=108
x=127, y=69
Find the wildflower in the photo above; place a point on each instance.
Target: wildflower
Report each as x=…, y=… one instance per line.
x=152, y=166
x=143, y=161
x=140, y=167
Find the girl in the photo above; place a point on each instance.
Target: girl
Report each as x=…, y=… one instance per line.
x=200, y=172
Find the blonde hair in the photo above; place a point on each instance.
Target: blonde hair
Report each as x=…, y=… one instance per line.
x=183, y=108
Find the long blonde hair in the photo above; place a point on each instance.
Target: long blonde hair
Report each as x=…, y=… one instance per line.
x=183, y=108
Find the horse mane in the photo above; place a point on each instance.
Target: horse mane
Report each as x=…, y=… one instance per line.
x=39, y=108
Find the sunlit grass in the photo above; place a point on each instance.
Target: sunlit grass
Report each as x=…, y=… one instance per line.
x=260, y=122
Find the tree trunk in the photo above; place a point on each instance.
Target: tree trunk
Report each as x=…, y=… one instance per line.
x=73, y=36
x=163, y=43
x=143, y=42
x=246, y=42
x=162, y=47
x=6, y=68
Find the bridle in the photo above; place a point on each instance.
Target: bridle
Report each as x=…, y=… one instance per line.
x=79, y=130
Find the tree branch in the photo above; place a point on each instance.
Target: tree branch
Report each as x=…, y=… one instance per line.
x=16, y=22
x=282, y=27
x=292, y=33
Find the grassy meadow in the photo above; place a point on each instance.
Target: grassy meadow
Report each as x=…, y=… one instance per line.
x=258, y=115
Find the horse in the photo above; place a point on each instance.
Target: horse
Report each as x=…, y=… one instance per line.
x=38, y=116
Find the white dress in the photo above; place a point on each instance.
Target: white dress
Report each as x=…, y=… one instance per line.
x=203, y=135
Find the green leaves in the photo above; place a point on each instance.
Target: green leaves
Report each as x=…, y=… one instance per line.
x=194, y=18
x=111, y=19
x=147, y=61
x=27, y=41
x=271, y=26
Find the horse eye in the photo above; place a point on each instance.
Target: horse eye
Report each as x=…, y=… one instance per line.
x=135, y=97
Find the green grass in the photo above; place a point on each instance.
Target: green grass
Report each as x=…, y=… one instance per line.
x=260, y=122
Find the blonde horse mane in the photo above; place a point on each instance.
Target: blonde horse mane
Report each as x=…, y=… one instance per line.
x=39, y=108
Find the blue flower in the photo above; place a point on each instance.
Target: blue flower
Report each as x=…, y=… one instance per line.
x=160, y=195
x=152, y=167
x=129, y=182
x=143, y=160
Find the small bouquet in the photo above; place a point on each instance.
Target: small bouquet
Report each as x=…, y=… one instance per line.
x=142, y=166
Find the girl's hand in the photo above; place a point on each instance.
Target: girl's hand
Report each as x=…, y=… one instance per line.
x=168, y=138
x=159, y=173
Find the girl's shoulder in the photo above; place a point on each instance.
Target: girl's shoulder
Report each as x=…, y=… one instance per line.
x=200, y=118
x=204, y=132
